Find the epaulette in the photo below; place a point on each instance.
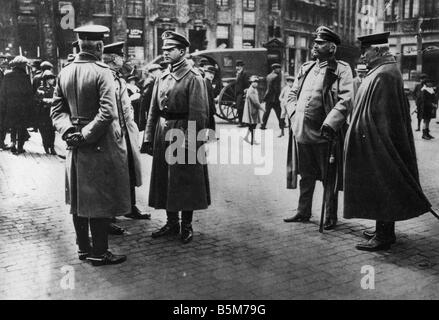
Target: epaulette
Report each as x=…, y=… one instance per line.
x=101, y=64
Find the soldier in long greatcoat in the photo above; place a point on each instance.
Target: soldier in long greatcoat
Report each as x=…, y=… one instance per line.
x=85, y=113
x=179, y=102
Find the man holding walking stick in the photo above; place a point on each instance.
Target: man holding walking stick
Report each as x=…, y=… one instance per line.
x=318, y=105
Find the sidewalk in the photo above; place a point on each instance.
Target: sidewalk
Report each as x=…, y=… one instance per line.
x=241, y=250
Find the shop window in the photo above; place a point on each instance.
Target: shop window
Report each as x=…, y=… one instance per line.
x=248, y=36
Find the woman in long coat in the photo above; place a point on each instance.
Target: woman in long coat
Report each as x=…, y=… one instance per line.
x=252, y=107
x=17, y=103
x=428, y=105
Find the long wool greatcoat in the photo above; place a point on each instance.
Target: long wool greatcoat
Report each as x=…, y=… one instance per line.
x=178, y=186
x=381, y=172
x=131, y=133
x=97, y=176
x=16, y=100
x=337, y=101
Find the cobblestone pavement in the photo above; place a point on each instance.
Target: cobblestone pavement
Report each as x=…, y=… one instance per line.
x=242, y=249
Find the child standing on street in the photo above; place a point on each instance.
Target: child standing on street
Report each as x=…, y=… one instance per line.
x=252, y=107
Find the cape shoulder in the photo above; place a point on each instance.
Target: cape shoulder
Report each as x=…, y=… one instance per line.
x=101, y=64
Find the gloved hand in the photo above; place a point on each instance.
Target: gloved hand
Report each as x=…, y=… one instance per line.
x=147, y=148
x=75, y=139
x=327, y=133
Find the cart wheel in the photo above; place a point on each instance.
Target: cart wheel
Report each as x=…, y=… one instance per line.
x=227, y=103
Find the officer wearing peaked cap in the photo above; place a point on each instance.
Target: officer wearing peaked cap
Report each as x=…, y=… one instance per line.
x=113, y=57
x=179, y=102
x=84, y=112
x=379, y=150
x=318, y=105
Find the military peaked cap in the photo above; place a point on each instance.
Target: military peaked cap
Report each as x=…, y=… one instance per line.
x=48, y=74
x=372, y=39
x=93, y=32
x=46, y=65
x=325, y=34
x=289, y=78
x=173, y=39
x=116, y=48
x=276, y=66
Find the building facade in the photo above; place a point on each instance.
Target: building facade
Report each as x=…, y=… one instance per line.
x=44, y=28
x=414, y=25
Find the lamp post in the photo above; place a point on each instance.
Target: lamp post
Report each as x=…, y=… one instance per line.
x=419, y=47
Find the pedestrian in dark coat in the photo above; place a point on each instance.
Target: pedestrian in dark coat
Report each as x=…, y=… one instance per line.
x=209, y=75
x=381, y=180
x=242, y=84
x=428, y=103
x=179, y=102
x=319, y=104
x=271, y=97
x=44, y=121
x=417, y=96
x=17, y=103
x=97, y=173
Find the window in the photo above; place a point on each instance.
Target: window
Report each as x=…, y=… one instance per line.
x=198, y=2
x=249, y=4
x=222, y=3
x=135, y=8
x=274, y=5
x=248, y=36
x=103, y=6
x=222, y=36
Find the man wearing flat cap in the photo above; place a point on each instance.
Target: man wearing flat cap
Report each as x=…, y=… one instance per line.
x=179, y=108
x=85, y=113
x=113, y=57
x=271, y=97
x=381, y=180
x=318, y=106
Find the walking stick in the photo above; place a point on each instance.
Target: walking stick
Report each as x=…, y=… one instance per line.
x=434, y=213
x=330, y=159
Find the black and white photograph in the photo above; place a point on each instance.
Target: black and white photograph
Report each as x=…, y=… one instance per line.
x=219, y=151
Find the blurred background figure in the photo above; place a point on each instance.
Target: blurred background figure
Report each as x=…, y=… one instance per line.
x=154, y=71
x=252, y=108
x=134, y=95
x=428, y=104
x=361, y=71
x=417, y=97
x=283, y=98
x=16, y=105
x=44, y=103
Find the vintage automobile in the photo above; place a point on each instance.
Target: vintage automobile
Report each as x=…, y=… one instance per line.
x=256, y=63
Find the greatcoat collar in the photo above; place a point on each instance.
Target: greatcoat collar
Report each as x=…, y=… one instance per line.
x=179, y=70
x=387, y=59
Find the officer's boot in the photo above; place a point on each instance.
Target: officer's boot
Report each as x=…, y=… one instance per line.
x=187, y=233
x=429, y=135
x=172, y=226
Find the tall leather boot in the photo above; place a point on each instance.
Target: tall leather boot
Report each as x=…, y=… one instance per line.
x=187, y=233
x=172, y=227
x=428, y=134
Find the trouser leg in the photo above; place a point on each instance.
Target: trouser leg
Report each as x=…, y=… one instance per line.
x=2, y=136
x=44, y=136
x=81, y=229
x=14, y=132
x=306, y=186
x=172, y=217
x=266, y=115
x=385, y=231
x=278, y=111
x=186, y=217
x=240, y=106
x=22, y=137
x=99, y=235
